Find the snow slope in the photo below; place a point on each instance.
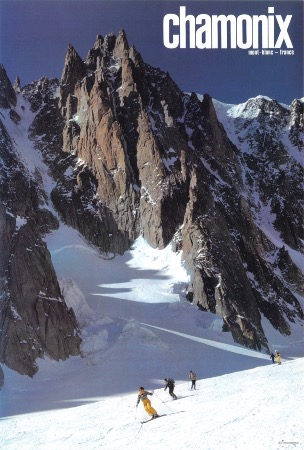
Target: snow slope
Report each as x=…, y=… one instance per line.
x=137, y=329
x=260, y=408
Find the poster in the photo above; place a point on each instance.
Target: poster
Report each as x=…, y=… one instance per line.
x=131, y=294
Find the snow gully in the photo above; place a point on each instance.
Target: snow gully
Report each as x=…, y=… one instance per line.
x=242, y=32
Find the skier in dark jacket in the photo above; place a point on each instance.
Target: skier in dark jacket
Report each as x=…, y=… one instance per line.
x=170, y=383
x=272, y=357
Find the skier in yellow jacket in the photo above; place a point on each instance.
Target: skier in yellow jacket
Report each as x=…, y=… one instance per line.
x=143, y=396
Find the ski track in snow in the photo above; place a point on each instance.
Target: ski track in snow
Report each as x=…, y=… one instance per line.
x=227, y=347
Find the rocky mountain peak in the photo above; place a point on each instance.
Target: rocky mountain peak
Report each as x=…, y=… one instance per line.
x=98, y=42
x=95, y=54
x=131, y=154
x=40, y=92
x=74, y=70
x=259, y=108
x=109, y=43
x=156, y=161
x=17, y=85
x=121, y=45
x=136, y=57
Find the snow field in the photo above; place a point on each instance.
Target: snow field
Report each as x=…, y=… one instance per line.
x=260, y=408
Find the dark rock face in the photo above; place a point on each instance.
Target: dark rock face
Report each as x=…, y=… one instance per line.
x=7, y=93
x=296, y=124
x=131, y=154
x=34, y=319
x=1, y=378
x=40, y=93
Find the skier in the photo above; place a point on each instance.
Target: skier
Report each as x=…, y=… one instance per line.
x=192, y=376
x=143, y=396
x=278, y=356
x=272, y=357
x=170, y=383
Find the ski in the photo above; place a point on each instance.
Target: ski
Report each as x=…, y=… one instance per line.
x=149, y=420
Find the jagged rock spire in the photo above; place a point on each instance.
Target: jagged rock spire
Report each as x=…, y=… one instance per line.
x=74, y=70
x=73, y=63
x=16, y=85
x=109, y=42
x=121, y=44
x=7, y=93
x=99, y=41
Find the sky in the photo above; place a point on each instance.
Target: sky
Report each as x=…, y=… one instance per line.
x=34, y=36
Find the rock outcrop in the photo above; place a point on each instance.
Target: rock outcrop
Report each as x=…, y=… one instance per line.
x=34, y=319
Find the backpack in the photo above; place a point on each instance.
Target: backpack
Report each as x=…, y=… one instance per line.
x=171, y=381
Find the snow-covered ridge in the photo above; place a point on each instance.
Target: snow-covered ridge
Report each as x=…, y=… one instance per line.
x=241, y=125
x=247, y=110
x=239, y=107
x=241, y=122
x=24, y=147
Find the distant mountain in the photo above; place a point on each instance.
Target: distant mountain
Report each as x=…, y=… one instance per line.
x=128, y=154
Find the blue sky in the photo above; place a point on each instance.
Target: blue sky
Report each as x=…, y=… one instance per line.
x=34, y=35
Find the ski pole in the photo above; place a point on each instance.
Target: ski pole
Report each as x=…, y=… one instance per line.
x=163, y=402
